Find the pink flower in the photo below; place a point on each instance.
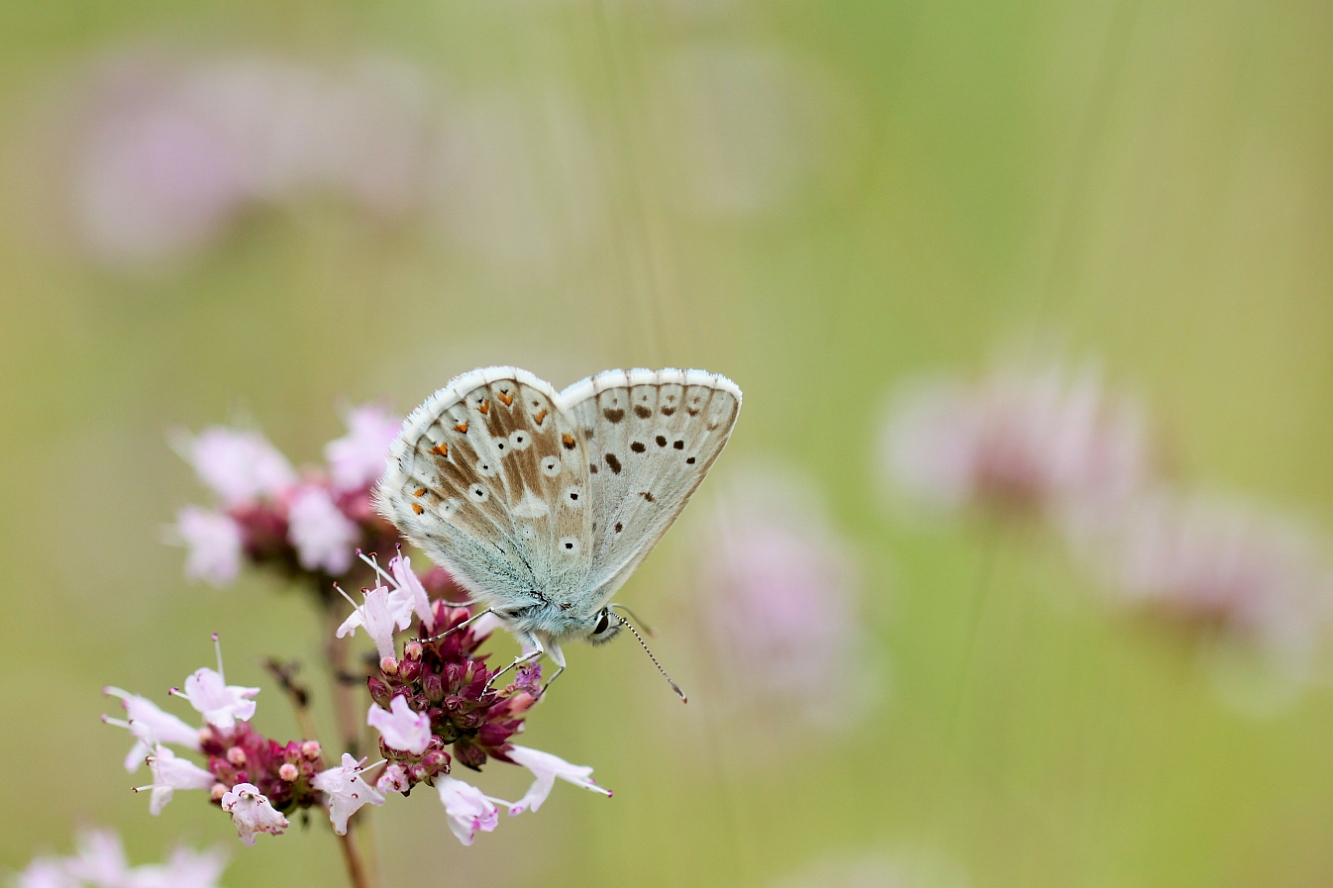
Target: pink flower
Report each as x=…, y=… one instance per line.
x=1211, y=561
x=170, y=774
x=221, y=704
x=357, y=459
x=778, y=594
x=380, y=615
x=1018, y=440
x=470, y=811
x=150, y=726
x=239, y=466
x=252, y=813
x=408, y=584
x=215, y=545
x=401, y=728
x=323, y=536
x=545, y=769
x=184, y=869
x=100, y=860
x=394, y=779
x=346, y=792
x=46, y=872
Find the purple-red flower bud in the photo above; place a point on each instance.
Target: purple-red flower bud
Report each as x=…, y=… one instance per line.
x=380, y=691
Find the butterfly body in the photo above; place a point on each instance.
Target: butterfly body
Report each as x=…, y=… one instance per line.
x=542, y=503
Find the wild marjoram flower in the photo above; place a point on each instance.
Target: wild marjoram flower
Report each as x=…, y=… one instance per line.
x=100, y=863
x=309, y=525
x=1020, y=441
x=435, y=704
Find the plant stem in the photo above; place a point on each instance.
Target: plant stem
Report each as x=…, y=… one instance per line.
x=344, y=695
x=357, y=874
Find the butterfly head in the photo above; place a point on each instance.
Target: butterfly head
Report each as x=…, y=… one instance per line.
x=605, y=626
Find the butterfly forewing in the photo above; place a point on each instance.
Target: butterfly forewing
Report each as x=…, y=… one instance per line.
x=489, y=478
x=652, y=435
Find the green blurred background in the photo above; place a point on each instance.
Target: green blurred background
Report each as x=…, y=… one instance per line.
x=816, y=199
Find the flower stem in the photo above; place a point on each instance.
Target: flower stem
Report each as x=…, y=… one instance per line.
x=357, y=875
x=345, y=695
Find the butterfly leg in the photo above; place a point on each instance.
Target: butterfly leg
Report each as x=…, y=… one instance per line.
x=550, y=681
x=536, y=651
x=463, y=625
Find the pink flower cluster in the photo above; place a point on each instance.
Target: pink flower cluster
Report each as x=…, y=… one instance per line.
x=309, y=525
x=779, y=595
x=100, y=862
x=1042, y=443
x=1018, y=442
x=170, y=154
x=440, y=695
x=249, y=776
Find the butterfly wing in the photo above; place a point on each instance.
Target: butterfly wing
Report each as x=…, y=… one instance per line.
x=490, y=478
x=651, y=436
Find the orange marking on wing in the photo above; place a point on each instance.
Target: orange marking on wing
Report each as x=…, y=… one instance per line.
x=461, y=427
x=416, y=507
x=541, y=414
x=507, y=399
x=420, y=491
x=484, y=407
x=441, y=449
x=568, y=441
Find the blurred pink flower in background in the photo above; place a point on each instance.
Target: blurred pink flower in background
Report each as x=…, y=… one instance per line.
x=779, y=594
x=312, y=523
x=1019, y=441
x=101, y=863
x=170, y=152
x=1217, y=563
x=357, y=459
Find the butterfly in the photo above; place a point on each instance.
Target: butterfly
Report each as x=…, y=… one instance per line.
x=543, y=503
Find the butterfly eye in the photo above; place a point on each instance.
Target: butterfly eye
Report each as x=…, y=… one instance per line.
x=603, y=621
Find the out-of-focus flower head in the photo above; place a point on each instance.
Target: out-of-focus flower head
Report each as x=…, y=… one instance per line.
x=1019, y=441
x=100, y=863
x=1211, y=562
x=778, y=591
x=356, y=460
x=308, y=527
x=169, y=153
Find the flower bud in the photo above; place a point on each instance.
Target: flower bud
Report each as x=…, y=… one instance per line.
x=412, y=650
x=389, y=666
x=380, y=691
x=289, y=773
x=311, y=749
x=416, y=773
x=469, y=755
x=217, y=791
x=433, y=685
x=435, y=762
x=468, y=719
x=237, y=756
x=454, y=703
x=409, y=670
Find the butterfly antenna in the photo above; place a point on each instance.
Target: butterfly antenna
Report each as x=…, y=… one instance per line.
x=647, y=630
x=675, y=687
